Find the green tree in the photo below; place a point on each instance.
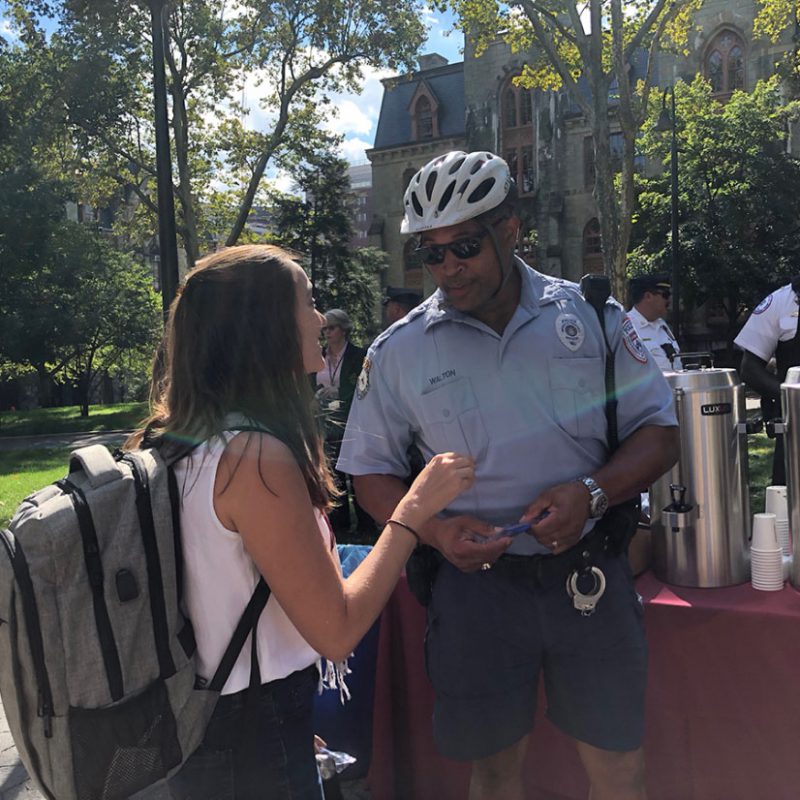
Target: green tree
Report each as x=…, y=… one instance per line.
x=588, y=48
x=79, y=310
x=318, y=226
x=298, y=53
x=740, y=205
x=774, y=20
x=115, y=314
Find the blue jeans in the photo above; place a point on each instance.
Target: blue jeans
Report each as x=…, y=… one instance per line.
x=278, y=765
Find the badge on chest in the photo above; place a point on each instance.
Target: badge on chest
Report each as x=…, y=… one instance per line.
x=570, y=331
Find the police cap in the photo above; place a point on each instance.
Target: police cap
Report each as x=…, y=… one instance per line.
x=400, y=294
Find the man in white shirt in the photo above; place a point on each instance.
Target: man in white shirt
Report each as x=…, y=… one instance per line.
x=771, y=330
x=650, y=296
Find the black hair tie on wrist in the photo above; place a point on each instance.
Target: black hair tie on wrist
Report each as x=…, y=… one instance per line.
x=407, y=527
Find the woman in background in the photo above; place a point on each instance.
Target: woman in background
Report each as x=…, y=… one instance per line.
x=335, y=385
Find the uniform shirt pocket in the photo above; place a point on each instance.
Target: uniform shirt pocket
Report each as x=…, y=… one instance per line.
x=452, y=420
x=578, y=393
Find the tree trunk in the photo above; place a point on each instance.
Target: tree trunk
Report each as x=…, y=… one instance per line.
x=627, y=195
x=604, y=190
x=83, y=395
x=180, y=128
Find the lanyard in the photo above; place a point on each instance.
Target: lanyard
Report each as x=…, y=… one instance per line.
x=333, y=370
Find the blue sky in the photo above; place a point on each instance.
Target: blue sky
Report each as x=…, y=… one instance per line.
x=359, y=113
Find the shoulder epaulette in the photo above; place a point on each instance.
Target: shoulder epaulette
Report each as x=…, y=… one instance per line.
x=415, y=312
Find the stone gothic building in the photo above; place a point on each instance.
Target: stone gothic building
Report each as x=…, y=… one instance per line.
x=542, y=135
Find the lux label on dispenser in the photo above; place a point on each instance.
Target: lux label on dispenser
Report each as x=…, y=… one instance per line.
x=716, y=409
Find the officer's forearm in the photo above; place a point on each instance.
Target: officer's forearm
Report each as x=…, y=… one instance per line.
x=640, y=460
x=756, y=375
x=379, y=495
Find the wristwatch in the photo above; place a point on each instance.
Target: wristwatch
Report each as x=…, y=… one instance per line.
x=598, y=499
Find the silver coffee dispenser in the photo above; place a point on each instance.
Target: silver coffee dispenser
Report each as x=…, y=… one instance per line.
x=790, y=402
x=700, y=509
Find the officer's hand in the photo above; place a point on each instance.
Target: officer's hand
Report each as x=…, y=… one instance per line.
x=455, y=538
x=567, y=507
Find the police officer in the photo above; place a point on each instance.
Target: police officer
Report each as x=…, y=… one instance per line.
x=398, y=302
x=650, y=295
x=772, y=330
x=507, y=365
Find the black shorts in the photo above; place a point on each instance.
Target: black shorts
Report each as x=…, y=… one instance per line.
x=491, y=633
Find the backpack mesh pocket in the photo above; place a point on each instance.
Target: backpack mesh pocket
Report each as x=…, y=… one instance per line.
x=121, y=749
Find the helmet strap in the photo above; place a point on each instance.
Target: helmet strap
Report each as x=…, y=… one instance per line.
x=506, y=265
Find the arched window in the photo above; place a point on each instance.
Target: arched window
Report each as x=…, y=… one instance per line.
x=526, y=106
x=510, y=108
x=724, y=63
x=424, y=115
x=516, y=135
x=592, y=247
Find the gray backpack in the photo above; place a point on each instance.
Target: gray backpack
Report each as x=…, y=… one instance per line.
x=97, y=672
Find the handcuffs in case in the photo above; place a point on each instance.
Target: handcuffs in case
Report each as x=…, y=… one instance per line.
x=585, y=603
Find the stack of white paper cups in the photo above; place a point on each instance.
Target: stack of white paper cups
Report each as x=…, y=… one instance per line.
x=776, y=504
x=766, y=555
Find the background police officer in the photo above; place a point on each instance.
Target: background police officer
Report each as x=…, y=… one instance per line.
x=398, y=302
x=507, y=364
x=650, y=295
x=772, y=330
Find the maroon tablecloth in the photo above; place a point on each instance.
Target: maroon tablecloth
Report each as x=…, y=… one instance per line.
x=723, y=704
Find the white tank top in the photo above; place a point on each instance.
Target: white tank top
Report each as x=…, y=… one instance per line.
x=219, y=579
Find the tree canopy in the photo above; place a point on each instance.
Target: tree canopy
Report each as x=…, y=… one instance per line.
x=294, y=54
x=318, y=226
x=739, y=202
x=588, y=49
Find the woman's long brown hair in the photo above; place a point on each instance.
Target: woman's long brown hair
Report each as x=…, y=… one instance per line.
x=232, y=346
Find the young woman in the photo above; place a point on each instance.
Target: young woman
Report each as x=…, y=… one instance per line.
x=242, y=338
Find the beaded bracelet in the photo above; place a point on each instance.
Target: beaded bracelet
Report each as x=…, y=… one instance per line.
x=407, y=527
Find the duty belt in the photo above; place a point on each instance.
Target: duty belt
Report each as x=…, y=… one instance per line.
x=548, y=570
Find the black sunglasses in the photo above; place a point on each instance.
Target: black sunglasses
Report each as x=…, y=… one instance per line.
x=665, y=293
x=431, y=254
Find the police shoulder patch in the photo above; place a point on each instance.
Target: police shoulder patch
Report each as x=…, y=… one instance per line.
x=362, y=385
x=763, y=305
x=633, y=344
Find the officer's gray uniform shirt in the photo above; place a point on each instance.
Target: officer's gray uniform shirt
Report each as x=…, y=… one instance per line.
x=528, y=406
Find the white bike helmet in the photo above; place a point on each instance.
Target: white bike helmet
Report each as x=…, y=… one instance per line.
x=453, y=188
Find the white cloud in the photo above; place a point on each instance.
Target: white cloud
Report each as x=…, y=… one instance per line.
x=7, y=29
x=283, y=182
x=354, y=150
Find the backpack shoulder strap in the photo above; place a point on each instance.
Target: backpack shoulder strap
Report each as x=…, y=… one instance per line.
x=96, y=462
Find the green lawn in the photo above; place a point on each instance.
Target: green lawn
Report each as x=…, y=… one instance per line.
x=68, y=419
x=759, y=451
x=24, y=471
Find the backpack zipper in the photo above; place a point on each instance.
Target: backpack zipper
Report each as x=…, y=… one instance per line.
x=31, y=614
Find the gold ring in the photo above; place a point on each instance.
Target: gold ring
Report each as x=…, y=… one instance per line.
x=486, y=565
x=554, y=544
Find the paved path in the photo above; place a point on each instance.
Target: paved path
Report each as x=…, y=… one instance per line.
x=113, y=438
x=14, y=781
